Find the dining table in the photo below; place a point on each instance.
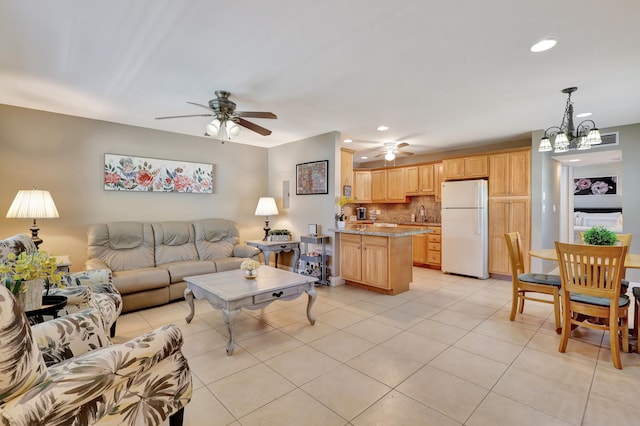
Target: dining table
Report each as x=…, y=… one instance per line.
x=631, y=261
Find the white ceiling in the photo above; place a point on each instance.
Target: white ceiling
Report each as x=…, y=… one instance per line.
x=440, y=74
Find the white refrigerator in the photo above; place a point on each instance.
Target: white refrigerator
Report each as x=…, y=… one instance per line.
x=465, y=240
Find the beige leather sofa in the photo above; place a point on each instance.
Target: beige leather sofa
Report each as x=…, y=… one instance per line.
x=150, y=260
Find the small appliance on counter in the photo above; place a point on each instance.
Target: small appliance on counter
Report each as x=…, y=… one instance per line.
x=361, y=212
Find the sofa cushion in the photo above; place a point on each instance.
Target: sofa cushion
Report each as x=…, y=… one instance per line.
x=215, y=238
x=179, y=270
x=122, y=246
x=21, y=364
x=141, y=279
x=228, y=263
x=174, y=242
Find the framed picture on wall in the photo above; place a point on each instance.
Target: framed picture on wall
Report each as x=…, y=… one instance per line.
x=595, y=186
x=312, y=178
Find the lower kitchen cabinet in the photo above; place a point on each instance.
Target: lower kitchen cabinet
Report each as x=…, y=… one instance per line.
x=380, y=263
x=426, y=248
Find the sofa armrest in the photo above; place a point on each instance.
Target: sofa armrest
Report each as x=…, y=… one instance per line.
x=91, y=264
x=70, y=336
x=145, y=376
x=243, y=250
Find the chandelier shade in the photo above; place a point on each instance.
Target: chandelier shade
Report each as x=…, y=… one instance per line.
x=567, y=136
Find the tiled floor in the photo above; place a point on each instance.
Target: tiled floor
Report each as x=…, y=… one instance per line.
x=443, y=353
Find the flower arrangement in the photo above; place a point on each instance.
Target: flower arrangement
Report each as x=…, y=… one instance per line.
x=17, y=269
x=599, y=236
x=249, y=265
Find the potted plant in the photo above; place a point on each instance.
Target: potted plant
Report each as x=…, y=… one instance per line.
x=600, y=236
x=341, y=219
x=280, y=235
x=250, y=268
x=26, y=276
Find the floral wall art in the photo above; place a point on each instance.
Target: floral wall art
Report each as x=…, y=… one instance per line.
x=607, y=185
x=129, y=173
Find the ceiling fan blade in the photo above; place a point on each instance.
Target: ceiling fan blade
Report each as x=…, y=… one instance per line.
x=201, y=106
x=405, y=153
x=402, y=145
x=256, y=114
x=183, y=116
x=252, y=126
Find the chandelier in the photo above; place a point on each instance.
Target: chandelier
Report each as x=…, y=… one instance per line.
x=567, y=136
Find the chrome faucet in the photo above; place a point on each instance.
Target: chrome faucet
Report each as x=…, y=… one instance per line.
x=422, y=213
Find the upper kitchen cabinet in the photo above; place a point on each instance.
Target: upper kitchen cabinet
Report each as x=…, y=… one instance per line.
x=420, y=180
x=439, y=177
x=346, y=167
x=466, y=167
x=510, y=174
x=362, y=183
x=387, y=186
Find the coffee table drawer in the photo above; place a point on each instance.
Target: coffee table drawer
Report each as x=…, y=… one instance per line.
x=278, y=294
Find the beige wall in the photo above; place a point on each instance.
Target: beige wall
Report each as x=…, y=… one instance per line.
x=65, y=155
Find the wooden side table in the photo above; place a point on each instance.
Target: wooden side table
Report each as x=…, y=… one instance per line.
x=277, y=247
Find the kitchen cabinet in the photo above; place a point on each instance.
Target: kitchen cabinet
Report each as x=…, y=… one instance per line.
x=346, y=168
x=362, y=186
x=439, y=177
x=466, y=167
x=420, y=180
x=508, y=214
x=387, y=186
x=426, y=248
x=376, y=262
x=510, y=174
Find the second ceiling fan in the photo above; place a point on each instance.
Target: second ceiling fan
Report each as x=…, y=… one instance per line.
x=226, y=116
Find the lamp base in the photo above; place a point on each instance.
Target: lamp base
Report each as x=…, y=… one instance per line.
x=266, y=229
x=34, y=234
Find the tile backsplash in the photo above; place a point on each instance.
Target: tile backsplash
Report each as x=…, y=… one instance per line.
x=401, y=212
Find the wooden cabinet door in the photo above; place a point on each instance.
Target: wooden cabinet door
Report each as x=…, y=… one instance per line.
x=420, y=249
x=453, y=168
x=520, y=173
x=379, y=185
x=346, y=167
x=507, y=215
x=395, y=185
x=375, y=261
x=439, y=177
x=362, y=182
x=411, y=180
x=499, y=175
x=351, y=257
x=477, y=166
x=427, y=181
x=498, y=226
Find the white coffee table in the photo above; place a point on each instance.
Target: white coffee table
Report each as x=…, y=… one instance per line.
x=230, y=292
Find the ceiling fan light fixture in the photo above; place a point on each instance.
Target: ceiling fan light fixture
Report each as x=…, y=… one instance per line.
x=389, y=156
x=233, y=129
x=213, y=128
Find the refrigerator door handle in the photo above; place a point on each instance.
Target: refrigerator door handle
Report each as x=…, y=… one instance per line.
x=479, y=223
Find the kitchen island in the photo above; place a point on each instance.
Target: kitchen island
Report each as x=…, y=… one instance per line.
x=378, y=258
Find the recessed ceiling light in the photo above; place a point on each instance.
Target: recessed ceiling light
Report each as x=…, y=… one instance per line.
x=382, y=128
x=348, y=141
x=364, y=157
x=573, y=160
x=543, y=45
x=583, y=114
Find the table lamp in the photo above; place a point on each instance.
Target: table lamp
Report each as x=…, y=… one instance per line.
x=266, y=207
x=33, y=204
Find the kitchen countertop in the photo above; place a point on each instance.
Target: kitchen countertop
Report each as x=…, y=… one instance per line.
x=381, y=231
x=369, y=222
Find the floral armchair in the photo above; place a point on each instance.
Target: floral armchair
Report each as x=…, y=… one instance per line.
x=66, y=372
x=82, y=289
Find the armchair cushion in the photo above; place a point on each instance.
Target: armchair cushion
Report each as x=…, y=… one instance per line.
x=246, y=251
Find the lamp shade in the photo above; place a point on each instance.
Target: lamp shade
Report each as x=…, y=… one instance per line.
x=266, y=207
x=33, y=204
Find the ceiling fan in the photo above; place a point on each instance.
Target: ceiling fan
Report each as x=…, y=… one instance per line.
x=391, y=149
x=227, y=119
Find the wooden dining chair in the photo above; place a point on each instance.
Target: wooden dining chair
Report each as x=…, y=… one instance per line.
x=525, y=283
x=591, y=288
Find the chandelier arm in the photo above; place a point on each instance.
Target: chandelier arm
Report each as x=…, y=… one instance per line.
x=552, y=131
x=584, y=128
